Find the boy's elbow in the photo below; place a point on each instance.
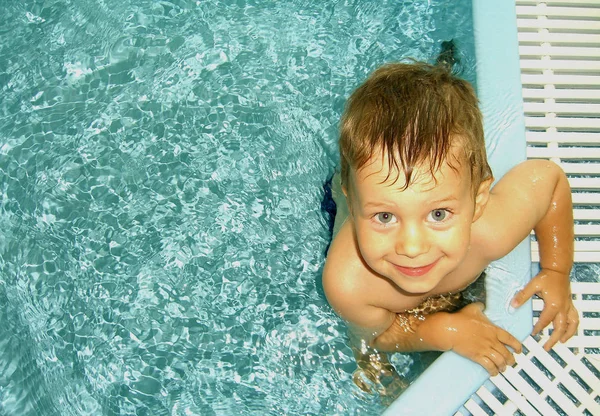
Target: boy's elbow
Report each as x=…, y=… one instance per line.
x=546, y=171
x=559, y=192
x=549, y=187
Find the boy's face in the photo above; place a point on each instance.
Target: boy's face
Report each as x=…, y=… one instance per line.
x=416, y=236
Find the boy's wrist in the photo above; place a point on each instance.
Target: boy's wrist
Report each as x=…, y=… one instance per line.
x=566, y=271
x=436, y=331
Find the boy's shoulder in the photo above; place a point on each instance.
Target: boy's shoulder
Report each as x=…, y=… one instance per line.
x=352, y=289
x=516, y=204
x=343, y=270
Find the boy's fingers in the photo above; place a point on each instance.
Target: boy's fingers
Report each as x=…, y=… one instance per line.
x=498, y=359
x=573, y=324
x=550, y=343
x=506, y=338
x=489, y=366
x=557, y=333
x=527, y=292
x=546, y=317
x=508, y=357
x=359, y=381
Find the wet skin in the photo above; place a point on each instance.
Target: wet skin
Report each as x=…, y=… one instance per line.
x=401, y=245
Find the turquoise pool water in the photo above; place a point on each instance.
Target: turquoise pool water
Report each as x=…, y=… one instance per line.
x=161, y=175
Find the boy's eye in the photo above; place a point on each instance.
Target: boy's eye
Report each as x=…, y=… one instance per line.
x=438, y=214
x=385, y=217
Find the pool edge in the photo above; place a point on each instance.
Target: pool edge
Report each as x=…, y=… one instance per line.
x=451, y=380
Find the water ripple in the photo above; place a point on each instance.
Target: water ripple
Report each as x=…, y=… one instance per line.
x=161, y=172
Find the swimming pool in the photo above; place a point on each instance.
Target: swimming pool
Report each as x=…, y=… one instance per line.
x=162, y=166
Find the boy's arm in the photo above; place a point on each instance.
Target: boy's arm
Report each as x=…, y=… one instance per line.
x=467, y=332
x=536, y=195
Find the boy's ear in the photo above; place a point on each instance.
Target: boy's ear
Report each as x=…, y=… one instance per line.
x=482, y=197
x=348, y=204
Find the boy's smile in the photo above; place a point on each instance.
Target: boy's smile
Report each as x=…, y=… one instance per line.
x=415, y=271
x=415, y=236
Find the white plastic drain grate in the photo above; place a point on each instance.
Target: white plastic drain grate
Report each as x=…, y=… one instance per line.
x=559, y=47
x=563, y=382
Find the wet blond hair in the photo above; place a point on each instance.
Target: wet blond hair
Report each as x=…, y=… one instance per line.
x=414, y=113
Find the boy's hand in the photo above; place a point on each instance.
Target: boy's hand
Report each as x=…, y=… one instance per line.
x=472, y=335
x=375, y=372
x=553, y=287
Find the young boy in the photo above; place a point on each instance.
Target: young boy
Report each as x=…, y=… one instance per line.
x=424, y=222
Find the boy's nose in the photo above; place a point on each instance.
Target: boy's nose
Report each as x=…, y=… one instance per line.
x=411, y=241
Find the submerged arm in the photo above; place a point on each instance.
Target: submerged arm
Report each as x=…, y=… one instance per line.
x=414, y=332
x=468, y=332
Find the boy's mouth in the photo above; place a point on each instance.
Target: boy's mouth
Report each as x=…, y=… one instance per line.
x=415, y=271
